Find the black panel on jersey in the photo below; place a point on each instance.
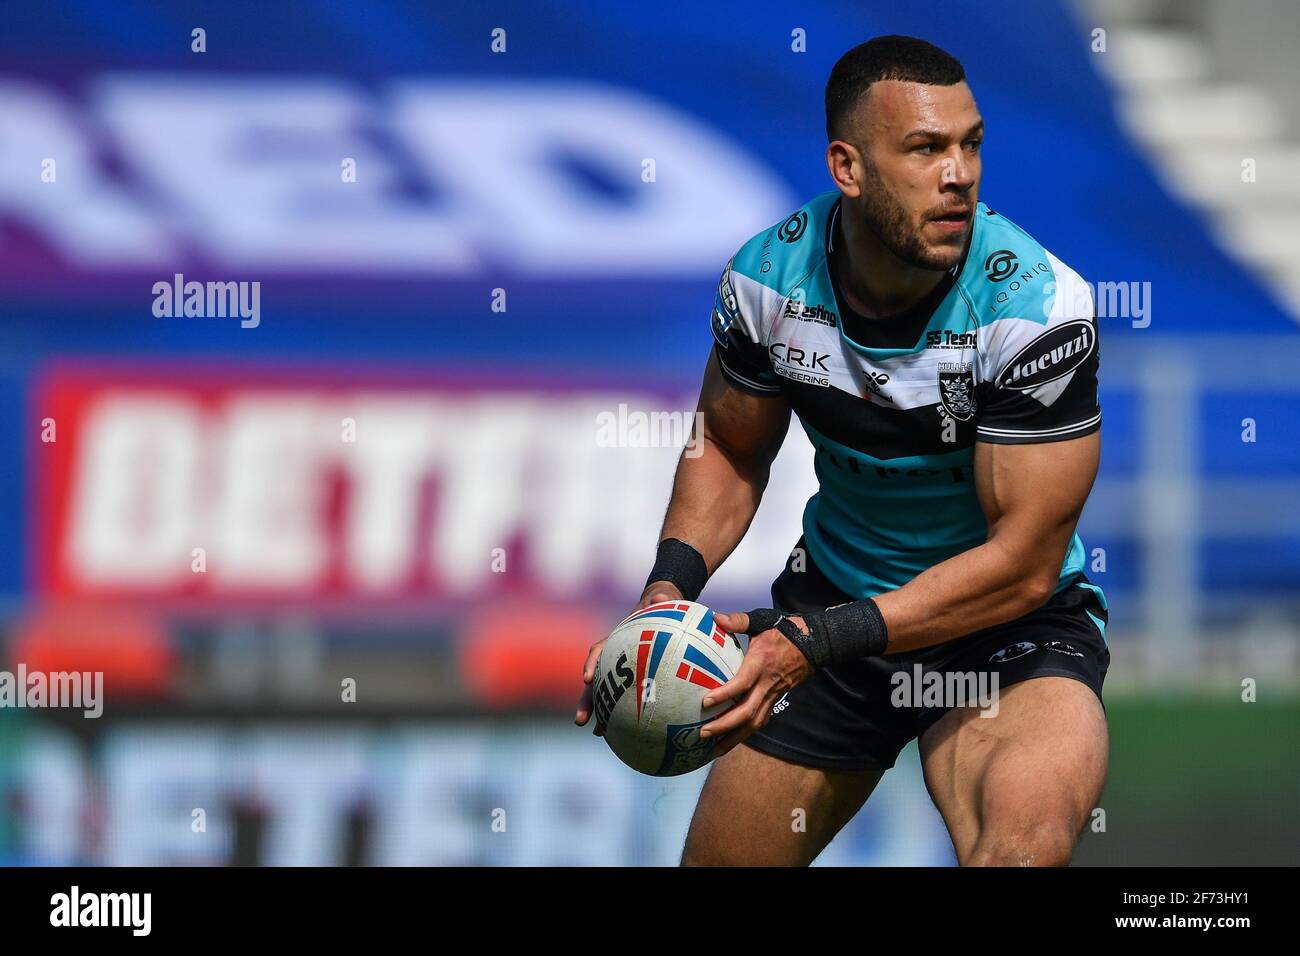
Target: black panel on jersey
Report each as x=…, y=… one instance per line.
x=875, y=428
x=744, y=364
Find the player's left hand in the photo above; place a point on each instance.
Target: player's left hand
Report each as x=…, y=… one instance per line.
x=772, y=665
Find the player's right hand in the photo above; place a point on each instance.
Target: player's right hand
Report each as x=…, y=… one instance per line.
x=656, y=592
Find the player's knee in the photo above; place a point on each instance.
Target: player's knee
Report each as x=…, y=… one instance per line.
x=706, y=858
x=1040, y=843
x=708, y=853
x=694, y=854
x=704, y=847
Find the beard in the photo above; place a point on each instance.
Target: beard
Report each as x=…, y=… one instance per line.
x=885, y=216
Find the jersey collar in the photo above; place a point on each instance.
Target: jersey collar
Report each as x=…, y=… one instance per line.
x=904, y=332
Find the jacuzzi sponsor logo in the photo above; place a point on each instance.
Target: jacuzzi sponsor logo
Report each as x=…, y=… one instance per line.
x=1052, y=355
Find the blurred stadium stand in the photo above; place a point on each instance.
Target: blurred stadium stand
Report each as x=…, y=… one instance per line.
x=1205, y=89
x=368, y=551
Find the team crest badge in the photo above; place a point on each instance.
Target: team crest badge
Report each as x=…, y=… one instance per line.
x=957, y=390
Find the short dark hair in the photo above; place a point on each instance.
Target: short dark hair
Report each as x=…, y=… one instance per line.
x=885, y=58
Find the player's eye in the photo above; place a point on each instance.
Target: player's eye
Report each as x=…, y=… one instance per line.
x=974, y=144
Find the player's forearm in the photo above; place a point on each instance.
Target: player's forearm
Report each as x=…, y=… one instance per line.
x=715, y=496
x=982, y=587
x=979, y=588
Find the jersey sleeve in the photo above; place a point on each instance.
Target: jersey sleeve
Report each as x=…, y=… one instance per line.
x=742, y=356
x=1043, y=381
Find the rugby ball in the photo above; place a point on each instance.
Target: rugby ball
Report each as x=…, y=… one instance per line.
x=653, y=672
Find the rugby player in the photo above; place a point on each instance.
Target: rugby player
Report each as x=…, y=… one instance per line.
x=943, y=365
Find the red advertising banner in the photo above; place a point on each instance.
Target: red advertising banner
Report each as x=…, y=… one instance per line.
x=221, y=484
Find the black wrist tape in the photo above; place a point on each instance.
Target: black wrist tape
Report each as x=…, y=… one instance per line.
x=679, y=564
x=855, y=630
x=843, y=633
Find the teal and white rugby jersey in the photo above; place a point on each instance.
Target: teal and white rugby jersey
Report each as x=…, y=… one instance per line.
x=1004, y=350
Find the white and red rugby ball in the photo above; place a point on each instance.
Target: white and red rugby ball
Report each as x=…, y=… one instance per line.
x=653, y=672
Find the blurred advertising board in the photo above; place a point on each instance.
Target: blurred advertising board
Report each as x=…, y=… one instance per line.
x=214, y=487
x=408, y=793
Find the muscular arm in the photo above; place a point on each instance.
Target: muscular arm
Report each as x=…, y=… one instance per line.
x=1031, y=496
x=716, y=493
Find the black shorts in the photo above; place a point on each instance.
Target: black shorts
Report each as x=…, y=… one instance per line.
x=843, y=717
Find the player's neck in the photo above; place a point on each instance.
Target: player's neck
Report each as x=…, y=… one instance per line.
x=875, y=282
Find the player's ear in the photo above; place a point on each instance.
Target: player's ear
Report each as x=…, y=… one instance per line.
x=843, y=160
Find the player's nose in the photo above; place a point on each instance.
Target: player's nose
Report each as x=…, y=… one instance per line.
x=956, y=171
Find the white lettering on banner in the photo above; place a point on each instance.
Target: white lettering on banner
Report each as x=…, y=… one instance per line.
x=305, y=783
x=482, y=135
x=150, y=785
x=601, y=503
x=246, y=170
x=398, y=446
x=135, y=478
x=155, y=475
x=267, y=526
x=246, y=157
x=422, y=818
x=577, y=832
x=425, y=789
x=52, y=768
x=86, y=218
x=483, y=501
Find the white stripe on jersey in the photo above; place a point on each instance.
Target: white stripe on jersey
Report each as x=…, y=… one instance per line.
x=1061, y=430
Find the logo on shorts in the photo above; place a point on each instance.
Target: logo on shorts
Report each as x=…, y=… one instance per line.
x=781, y=704
x=1063, y=648
x=1012, y=651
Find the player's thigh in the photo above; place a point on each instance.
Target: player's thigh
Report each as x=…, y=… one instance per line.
x=758, y=810
x=1018, y=787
